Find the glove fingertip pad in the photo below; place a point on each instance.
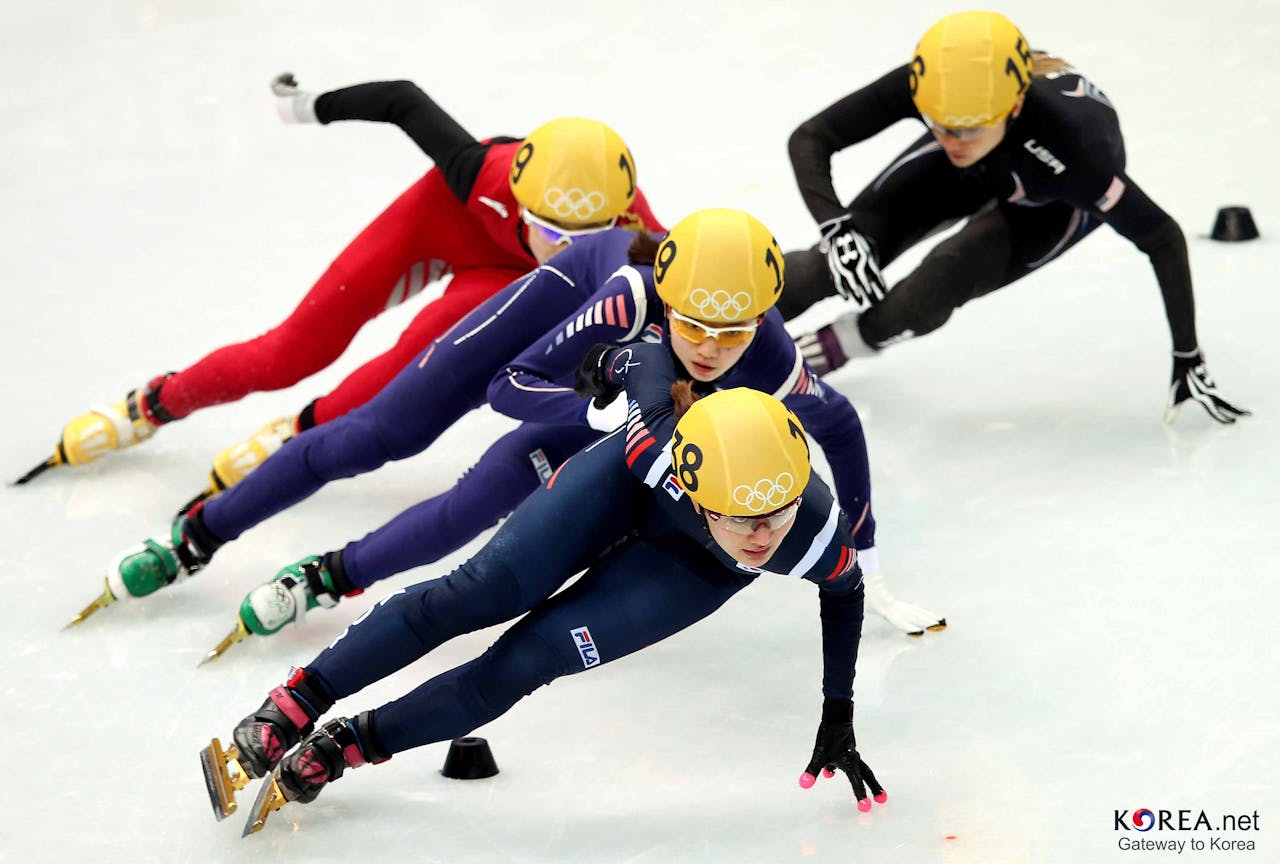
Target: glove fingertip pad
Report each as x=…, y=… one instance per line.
x=807, y=780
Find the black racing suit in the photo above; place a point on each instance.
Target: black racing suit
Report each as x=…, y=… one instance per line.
x=1057, y=175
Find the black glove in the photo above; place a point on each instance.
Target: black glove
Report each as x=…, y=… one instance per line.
x=592, y=377
x=851, y=258
x=1191, y=381
x=836, y=748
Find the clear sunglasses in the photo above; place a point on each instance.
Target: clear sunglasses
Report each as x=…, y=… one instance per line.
x=960, y=133
x=746, y=525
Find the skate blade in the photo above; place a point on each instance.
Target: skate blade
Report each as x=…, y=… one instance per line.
x=102, y=602
x=51, y=462
x=237, y=635
x=270, y=798
x=223, y=777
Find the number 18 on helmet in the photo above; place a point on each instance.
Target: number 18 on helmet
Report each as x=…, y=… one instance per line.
x=740, y=452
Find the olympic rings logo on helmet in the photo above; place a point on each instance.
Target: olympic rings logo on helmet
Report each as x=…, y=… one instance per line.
x=574, y=203
x=967, y=121
x=765, y=493
x=720, y=304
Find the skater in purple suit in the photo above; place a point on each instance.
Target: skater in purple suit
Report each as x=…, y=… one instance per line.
x=538, y=388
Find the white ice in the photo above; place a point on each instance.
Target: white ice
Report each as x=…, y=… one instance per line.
x=1110, y=583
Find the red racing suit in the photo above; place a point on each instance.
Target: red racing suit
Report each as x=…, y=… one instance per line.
x=460, y=218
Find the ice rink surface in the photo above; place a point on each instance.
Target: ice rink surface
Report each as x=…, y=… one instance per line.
x=1111, y=583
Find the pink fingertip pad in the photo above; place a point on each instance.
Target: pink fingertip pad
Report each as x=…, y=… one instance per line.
x=864, y=805
x=828, y=773
x=882, y=797
x=807, y=780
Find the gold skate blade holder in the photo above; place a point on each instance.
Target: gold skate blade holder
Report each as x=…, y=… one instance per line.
x=237, y=635
x=270, y=798
x=102, y=602
x=223, y=777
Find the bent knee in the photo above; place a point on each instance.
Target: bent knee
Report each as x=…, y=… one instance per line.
x=514, y=667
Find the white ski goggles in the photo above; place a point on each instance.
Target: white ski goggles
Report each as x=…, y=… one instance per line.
x=559, y=235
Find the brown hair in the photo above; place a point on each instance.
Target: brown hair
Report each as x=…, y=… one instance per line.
x=683, y=397
x=643, y=249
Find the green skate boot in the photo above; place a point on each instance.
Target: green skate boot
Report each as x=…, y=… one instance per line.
x=314, y=582
x=147, y=568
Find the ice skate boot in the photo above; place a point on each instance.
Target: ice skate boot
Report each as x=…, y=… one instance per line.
x=834, y=345
x=907, y=617
x=107, y=427
x=237, y=461
x=314, y=582
x=154, y=564
x=260, y=740
x=320, y=759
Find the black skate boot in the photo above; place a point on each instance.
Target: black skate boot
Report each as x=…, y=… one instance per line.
x=261, y=740
x=320, y=759
x=288, y=713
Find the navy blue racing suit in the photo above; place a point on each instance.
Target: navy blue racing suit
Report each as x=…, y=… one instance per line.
x=652, y=569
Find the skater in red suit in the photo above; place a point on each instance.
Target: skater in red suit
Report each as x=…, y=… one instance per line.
x=486, y=213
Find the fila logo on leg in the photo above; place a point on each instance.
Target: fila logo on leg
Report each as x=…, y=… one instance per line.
x=586, y=647
x=542, y=465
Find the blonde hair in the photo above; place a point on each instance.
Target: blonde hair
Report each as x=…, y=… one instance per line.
x=1046, y=64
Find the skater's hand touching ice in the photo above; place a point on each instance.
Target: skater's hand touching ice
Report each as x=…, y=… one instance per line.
x=836, y=749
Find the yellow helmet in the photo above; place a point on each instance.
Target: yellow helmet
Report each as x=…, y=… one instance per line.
x=969, y=69
x=740, y=452
x=719, y=265
x=574, y=171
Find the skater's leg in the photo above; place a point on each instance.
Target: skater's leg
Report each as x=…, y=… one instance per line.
x=447, y=380
x=359, y=284
x=637, y=595
x=996, y=248
x=555, y=533
x=513, y=467
x=467, y=290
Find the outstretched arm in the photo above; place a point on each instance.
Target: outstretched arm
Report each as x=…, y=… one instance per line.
x=1136, y=217
x=835, y=746
x=854, y=118
x=538, y=384
x=454, y=150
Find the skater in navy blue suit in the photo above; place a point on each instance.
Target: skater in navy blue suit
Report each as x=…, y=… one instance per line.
x=737, y=501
